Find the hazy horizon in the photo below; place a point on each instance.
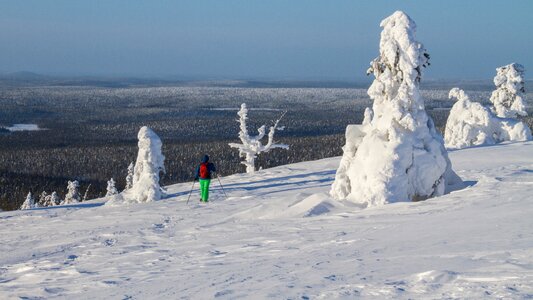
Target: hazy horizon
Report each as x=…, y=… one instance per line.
x=237, y=39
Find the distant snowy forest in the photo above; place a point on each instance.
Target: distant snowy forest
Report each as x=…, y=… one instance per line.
x=91, y=131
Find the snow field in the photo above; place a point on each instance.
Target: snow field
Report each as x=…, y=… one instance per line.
x=280, y=235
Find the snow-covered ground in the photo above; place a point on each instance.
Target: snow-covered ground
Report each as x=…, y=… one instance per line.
x=279, y=235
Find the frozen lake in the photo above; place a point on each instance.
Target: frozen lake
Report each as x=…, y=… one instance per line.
x=23, y=127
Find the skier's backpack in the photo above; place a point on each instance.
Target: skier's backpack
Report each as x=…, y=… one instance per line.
x=204, y=171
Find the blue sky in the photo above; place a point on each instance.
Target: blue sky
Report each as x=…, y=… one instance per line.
x=271, y=39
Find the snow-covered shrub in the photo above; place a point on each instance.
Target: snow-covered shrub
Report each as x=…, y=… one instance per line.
x=472, y=124
x=469, y=123
x=401, y=156
x=508, y=98
x=251, y=145
x=129, y=177
x=111, y=189
x=29, y=203
x=73, y=194
x=150, y=162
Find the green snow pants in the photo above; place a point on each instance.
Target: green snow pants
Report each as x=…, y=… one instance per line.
x=204, y=189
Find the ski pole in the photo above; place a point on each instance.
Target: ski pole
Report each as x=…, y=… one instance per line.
x=190, y=193
x=219, y=182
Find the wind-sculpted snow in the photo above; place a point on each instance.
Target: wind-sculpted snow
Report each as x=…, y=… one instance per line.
x=280, y=235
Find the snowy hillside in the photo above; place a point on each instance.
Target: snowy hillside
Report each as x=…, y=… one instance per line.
x=280, y=235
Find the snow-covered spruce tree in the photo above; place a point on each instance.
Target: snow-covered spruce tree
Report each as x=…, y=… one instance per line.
x=111, y=189
x=401, y=156
x=73, y=194
x=129, y=177
x=42, y=199
x=52, y=199
x=508, y=98
x=29, y=203
x=251, y=145
x=469, y=123
x=150, y=162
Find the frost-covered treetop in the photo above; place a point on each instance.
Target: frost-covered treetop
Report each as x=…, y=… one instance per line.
x=400, y=54
x=510, y=77
x=398, y=72
x=508, y=96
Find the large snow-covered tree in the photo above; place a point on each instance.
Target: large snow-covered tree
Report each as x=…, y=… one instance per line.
x=111, y=189
x=508, y=98
x=73, y=194
x=401, y=156
x=251, y=146
x=150, y=162
x=29, y=203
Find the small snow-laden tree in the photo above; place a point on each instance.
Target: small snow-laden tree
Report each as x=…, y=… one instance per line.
x=341, y=187
x=469, y=123
x=73, y=194
x=129, y=177
x=42, y=199
x=111, y=189
x=149, y=163
x=29, y=203
x=508, y=98
x=401, y=156
x=251, y=145
x=52, y=200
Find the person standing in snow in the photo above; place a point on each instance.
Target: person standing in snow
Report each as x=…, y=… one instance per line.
x=203, y=175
